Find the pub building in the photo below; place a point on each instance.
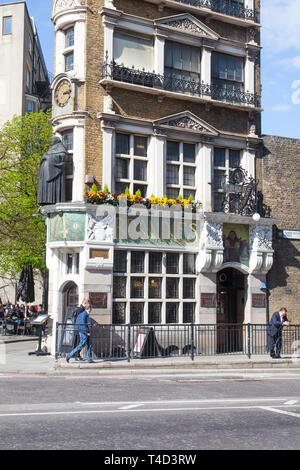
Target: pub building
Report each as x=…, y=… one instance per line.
x=159, y=101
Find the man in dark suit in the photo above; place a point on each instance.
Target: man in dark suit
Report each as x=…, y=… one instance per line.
x=274, y=331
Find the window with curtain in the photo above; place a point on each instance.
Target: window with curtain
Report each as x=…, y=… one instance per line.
x=182, y=61
x=227, y=67
x=133, y=51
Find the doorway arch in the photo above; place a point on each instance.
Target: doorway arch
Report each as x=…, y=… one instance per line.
x=231, y=284
x=70, y=298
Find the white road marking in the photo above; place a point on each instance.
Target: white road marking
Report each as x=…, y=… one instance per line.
x=176, y=402
x=145, y=410
x=291, y=402
x=275, y=410
x=130, y=406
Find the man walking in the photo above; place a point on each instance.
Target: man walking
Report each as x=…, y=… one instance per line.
x=83, y=327
x=75, y=314
x=274, y=330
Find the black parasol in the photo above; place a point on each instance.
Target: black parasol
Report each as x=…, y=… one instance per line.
x=25, y=289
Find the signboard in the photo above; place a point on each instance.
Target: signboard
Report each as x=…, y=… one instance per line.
x=98, y=299
x=158, y=231
x=208, y=300
x=68, y=226
x=290, y=234
x=146, y=344
x=258, y=300
x=40, y=319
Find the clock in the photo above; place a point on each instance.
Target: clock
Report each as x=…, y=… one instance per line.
x=63, y=93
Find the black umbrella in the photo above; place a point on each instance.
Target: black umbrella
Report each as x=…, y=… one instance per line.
x=25, y=289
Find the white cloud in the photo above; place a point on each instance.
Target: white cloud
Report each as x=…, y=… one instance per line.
x=291, y=62
x=282, y=108
x=280, y=20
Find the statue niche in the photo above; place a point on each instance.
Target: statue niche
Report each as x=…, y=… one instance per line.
x=51, y=174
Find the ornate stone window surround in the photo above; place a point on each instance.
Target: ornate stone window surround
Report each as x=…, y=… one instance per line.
x=70, y=14
x=182, y=28
x=181, y=127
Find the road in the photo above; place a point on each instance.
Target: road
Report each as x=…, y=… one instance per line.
x=191, y=411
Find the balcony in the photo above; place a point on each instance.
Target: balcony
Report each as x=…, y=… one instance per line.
x=170, y=84
x=231, y=8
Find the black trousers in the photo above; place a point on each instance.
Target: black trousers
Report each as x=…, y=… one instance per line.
x=274, y=344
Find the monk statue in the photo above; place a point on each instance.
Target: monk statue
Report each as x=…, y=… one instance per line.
x=51, y=174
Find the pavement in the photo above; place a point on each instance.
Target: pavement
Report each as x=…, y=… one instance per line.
x=14, y=359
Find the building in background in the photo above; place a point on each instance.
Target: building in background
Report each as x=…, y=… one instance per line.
x=24, y=84
x=161, y=98
x=24, y=81
x=280, y=170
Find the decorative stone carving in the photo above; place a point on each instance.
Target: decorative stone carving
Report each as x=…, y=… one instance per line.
x=187, y=121
x=61, y=5
x=211, y=247
x=187, y=25
x=108, y=105
x=260, y=238
x=100, y=228
x=251, y=34
x=260, y=243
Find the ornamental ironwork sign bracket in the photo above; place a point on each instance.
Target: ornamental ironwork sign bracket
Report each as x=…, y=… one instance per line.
x=241, y=193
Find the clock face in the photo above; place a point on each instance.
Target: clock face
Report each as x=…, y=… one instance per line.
x=63, y=93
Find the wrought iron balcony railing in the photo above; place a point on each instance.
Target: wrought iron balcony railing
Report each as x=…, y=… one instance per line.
x=227, y=7
x=171, y=82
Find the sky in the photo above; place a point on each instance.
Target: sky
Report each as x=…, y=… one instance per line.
x=280, y=60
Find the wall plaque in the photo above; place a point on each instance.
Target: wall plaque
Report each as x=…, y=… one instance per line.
x=98, y=299
x=208, y=300
x=258, y=300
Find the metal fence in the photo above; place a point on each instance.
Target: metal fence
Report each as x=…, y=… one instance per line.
x=112, y=342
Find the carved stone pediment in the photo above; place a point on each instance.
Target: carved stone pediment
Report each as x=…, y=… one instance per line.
x=186, y=121
x=188, y=24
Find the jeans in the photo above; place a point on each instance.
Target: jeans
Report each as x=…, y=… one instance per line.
x=84, y=339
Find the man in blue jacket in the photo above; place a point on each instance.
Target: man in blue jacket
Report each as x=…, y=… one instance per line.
x=83, y=327
x=274, y=331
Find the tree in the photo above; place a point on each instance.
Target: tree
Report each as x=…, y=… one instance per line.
x=23, y=141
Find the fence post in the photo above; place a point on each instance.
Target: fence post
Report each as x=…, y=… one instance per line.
x=128, y=342
x=192, y=341
x=248, y=340
x=56, y=342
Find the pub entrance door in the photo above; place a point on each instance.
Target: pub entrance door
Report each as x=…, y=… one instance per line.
x=230, y=310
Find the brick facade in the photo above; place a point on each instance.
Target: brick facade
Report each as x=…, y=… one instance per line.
x=280, y=164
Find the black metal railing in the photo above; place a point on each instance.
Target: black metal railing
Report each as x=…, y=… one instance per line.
x=171, y=82
x=113, y=342
x=226, y=7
